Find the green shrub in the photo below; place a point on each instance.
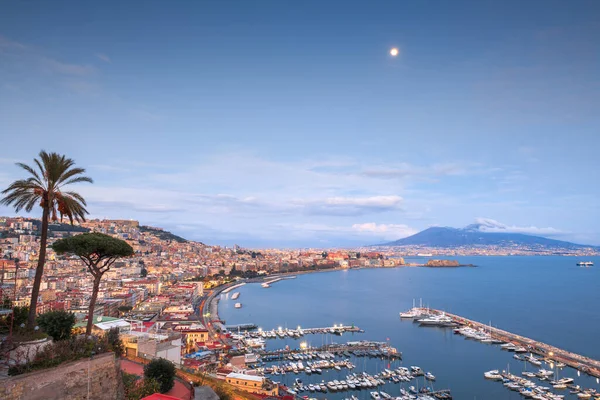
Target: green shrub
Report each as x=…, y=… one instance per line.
x=137, y=388
x=57, y=324
x=114, y=341
x=163, y=371
x=62, y=351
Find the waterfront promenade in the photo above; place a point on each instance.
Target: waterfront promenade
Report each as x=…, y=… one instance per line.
x=577, y=361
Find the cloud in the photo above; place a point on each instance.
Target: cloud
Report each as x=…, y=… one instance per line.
x=405, y=170
x=10, y=44
x=351, y=206
x=491, y=225
x=385, y=231
x=68, y=69
x=103, y=57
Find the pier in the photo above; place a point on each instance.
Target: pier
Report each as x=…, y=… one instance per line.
x=359, y=349
x=299, y=332
x=577, y=361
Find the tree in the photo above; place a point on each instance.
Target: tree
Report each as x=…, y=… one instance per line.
x=98, y=252
x=57, y=324
x=136, y=388
x=114, y=341
x=125, y=309
x=163, y=371
x=45, y=187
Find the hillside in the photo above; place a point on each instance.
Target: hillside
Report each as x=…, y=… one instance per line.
x=472, y=236
x=162, y=235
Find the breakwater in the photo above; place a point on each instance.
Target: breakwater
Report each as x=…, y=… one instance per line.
x=574, y=360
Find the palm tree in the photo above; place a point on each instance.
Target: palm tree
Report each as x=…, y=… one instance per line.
x=45, y=187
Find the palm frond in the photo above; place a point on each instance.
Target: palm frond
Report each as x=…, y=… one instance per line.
x=43, y=186
x=32, y=171
x=78, y=180
x=72, y=208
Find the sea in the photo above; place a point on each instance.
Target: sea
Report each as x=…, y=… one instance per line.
x=545, y=298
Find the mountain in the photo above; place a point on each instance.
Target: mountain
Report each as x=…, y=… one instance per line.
x=475, y=234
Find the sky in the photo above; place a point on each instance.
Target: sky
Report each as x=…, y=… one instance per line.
x=289, y=124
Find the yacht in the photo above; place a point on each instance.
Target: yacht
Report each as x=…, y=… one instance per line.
x=238, y=305
x=375, y=396
x=493, y=375
x=585, y=264
x=235, y=295
x=412, y=313
x=533, y=360
x=416, y=371
x=429, y=376
x=385, y=395
x=439, y=320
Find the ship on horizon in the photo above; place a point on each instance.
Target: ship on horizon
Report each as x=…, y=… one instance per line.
x=585, y=264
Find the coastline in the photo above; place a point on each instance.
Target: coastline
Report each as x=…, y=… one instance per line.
x=211, y=305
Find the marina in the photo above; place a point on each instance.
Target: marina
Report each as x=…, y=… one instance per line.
x=509, y=341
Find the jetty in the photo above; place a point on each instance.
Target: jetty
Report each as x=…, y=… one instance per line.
x=358, y=349
x=299, y=332
x=230, y=288
x=577, y=361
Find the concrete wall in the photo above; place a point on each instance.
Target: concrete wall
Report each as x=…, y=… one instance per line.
x=69, y=381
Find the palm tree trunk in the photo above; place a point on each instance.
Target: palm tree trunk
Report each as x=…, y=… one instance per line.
x=39, y=271
x=90, y=322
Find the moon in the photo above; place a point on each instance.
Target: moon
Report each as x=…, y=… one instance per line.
x=394, y=52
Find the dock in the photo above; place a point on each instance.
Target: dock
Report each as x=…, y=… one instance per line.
x=577, y=361
x=240, y=327
x=299, y=332
x=359, y=349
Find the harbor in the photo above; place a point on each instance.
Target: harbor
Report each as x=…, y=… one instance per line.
x=320, y=299
x=531, y=352
x=511, y=341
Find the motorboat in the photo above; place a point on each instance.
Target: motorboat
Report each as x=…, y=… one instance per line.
x=493, y=375
x=436, y=320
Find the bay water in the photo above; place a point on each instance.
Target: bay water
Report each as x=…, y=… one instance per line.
x=545, y=298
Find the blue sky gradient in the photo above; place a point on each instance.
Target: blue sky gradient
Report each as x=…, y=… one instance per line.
x=272, y=123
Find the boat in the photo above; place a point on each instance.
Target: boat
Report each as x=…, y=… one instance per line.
x=412, y=313
x=265, y=285
x=436, y=320
x=238, y=305
x=235, y=295
x=585, y=264
x=416, y=371
x=533, y=360
x=493, y=375
x=429, y=376
x=375, y=396
x=385, y=395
